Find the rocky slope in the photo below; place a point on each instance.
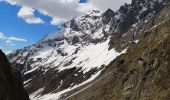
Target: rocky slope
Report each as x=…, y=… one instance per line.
x=65, y=63
x=141, y=75
x=11, y=84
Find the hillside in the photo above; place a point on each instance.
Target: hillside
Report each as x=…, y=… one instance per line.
x=101, y=56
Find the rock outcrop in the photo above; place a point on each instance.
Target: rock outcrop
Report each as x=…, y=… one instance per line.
x=11, y=84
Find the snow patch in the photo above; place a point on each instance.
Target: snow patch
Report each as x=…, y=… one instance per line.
x=56, y=96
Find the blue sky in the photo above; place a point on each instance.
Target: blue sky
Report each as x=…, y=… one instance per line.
x=82, y=1
x=12, y=26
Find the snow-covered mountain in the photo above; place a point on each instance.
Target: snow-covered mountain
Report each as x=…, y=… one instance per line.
x=80, y=49
x=82, y=43
x=77, y=54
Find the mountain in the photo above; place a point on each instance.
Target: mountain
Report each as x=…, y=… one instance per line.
x=86, y=54
x=70, y=59
x=11, y=84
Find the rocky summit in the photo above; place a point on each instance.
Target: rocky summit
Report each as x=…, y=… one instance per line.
x=121, y=55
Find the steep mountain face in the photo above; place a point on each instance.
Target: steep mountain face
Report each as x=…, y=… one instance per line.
x=65, y=63
x=11, y=86
x=142, y=73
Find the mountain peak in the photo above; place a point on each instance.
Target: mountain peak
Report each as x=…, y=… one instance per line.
x=108, y=12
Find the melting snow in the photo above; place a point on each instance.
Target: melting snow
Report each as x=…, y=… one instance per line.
x=56, y=96
x=87, y=57
x=136, y=41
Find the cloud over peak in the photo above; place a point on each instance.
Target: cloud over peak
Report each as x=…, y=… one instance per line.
x=61, y=10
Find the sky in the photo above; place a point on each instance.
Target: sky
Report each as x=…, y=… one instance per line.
x=24, y=22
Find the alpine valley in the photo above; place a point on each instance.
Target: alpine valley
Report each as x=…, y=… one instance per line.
x=121, y=55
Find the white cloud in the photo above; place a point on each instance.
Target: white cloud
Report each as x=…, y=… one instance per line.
x=10, y=1
x=12, y=44
x=27, y=14
x=61, y=10
x=2, y=36
x=105, y=4
x=56, y=21
x=8, y=41
x=17, y=39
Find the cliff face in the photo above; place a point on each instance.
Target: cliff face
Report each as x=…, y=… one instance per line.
x=11, y=86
